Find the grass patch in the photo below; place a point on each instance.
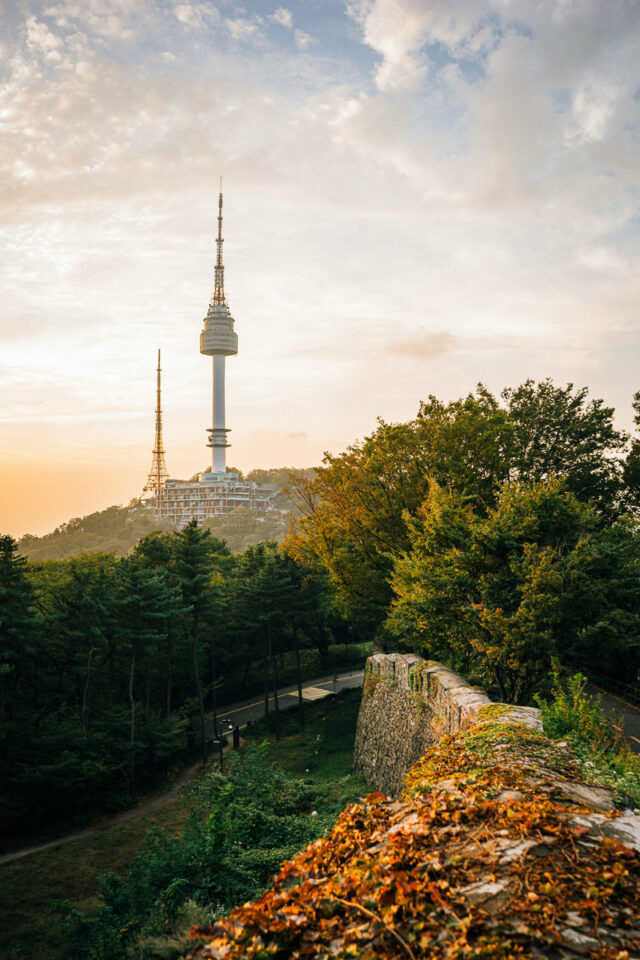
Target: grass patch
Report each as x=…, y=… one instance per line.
x=317, y=763
x=29, y=887
x=323, y=749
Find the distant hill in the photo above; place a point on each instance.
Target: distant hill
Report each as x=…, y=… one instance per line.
x=117, y=529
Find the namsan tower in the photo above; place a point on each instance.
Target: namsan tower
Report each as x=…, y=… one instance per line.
x=215, y=492
x=158, y=472
x=218, y=340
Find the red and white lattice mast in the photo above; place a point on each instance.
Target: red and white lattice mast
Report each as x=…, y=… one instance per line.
x=158, y=473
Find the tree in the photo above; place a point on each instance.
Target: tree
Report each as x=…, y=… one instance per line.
x=355, y=513
x=17, y=619
x=265, y=591
x=538, y=577
x=558, y=432
x=631, y=472
x=148, y=599
x=194, y=554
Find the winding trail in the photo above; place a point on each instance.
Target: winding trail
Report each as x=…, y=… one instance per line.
x=236, y=714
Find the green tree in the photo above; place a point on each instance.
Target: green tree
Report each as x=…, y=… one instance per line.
x=538, y=577
x=17, y=620
x=194, y=556
x=264, y=591
x=148, y=600
x=631, y=473
x=559, y=432
x=355, y=513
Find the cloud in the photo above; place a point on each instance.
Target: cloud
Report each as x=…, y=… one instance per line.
x=196, y=16
x=593, y=108
x=107, y=21
x=420, y=346
x=243, y=29
x=282, y=16
x=41, y=41
x=303, y=40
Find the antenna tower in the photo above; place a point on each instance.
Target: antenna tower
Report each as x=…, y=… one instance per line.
x=218, y=289
x=158, y=473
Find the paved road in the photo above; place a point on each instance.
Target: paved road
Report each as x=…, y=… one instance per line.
x=238, y=714
x=621, y=714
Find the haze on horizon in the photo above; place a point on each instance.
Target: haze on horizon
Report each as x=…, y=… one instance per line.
x=419, y=194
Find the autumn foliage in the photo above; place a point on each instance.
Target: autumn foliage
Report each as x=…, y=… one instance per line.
x=488, y=854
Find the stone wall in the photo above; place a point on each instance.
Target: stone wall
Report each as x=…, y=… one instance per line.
x=408, y=704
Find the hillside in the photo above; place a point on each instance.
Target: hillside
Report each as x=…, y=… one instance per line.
x=117, y=529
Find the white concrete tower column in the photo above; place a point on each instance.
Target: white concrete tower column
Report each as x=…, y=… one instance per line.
x=219, y=452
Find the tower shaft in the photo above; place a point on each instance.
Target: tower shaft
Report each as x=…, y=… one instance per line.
x=218, y=435
x=158, y=473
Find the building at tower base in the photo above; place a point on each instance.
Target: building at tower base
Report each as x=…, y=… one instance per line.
x=181, y=501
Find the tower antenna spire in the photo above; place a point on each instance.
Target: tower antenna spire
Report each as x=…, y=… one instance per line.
x=218, y=292
x=158, y=473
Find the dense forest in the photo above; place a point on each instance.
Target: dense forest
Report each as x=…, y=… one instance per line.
x=117, y=529
x=111, y=668
x=495, y=533
x=499, y=534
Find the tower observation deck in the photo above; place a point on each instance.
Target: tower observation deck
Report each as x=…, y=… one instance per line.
x=218, y=340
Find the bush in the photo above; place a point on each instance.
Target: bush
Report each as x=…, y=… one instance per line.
x=243, y=826
x=573, y=715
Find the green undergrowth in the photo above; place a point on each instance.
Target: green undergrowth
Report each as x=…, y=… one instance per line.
x=132, y=895
x=600, y=750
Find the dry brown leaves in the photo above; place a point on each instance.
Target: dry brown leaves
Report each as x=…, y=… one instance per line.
x=479, y=860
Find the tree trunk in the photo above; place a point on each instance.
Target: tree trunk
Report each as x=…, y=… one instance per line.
x=274, y=662
x=214, y=706
x=85, y=697
x=168, y=680
x=298, y=674
x=247, y=665
x=265, y=668
x=132, y=731
x=196, y=674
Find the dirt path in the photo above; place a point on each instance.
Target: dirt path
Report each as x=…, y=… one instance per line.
x=141, y=809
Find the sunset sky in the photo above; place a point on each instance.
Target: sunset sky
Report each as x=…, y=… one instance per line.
x=419, y=194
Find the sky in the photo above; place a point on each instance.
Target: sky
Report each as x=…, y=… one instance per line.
x=419, y=195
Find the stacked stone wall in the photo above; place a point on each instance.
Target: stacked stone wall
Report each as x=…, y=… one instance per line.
x=408, y=704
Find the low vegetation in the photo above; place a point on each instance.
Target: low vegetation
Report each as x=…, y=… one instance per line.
x=213, y=849
x=597, y=744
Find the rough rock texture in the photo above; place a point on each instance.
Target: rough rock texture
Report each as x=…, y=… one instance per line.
x=408, y=704
x=395, y=726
